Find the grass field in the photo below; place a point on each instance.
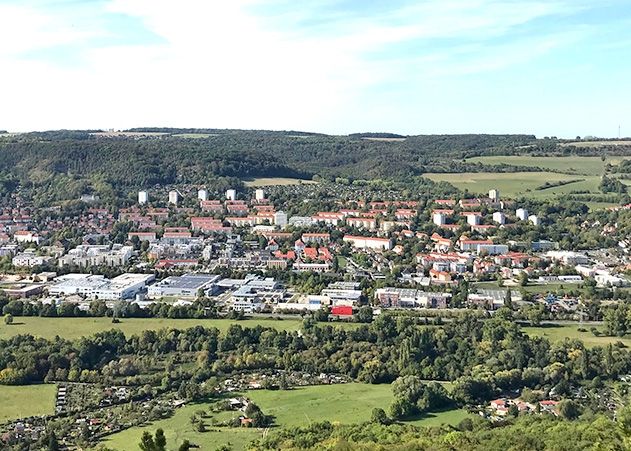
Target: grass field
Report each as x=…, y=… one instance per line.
x=277, y=181
x=348, y=403
x=597, y=143
x=194, y=135
x=517, y=183
x=569, y=165
x=556, y=333
x=25, y=401
x=71, y=328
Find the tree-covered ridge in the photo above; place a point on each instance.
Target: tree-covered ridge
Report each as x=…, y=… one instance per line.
x=527, y=433
x=162, y=159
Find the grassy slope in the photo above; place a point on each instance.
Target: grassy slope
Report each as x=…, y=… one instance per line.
x=556, y=333
x=349, y=403
x=514, y=184
x=590, y=169
x=569, y=165
x=77, y=327
x=24, y=401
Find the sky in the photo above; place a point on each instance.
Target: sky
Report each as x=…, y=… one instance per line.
x=547, y=67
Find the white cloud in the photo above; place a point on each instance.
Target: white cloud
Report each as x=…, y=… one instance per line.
x=219, y=65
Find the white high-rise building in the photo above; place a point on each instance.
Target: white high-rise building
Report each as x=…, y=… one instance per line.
x=143, y=197
x=231, y=194
x=494, y=195
x=202, y=194
x=259, y=194
x=522, y=214
x=439, y=219
x=534, y=219
x=499, y=217
x=174, y=197
x=473, y=219
x=280, y=219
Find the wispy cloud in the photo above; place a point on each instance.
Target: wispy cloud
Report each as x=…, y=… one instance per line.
x=328, y=65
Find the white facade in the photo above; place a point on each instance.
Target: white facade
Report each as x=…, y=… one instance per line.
x=174, y=197
x=473, y=219
x=97, y=255
x=521, y=214
x=499, y=217
x=231, y=194
x=494, y=195
x=438, y=218
x=492, y=249
x=259, y=194
x=368, y=243
x=125, y=286
x=534, y=219
x=30, y=259
x=202, y=194
x=280, y=219
x=143, y=197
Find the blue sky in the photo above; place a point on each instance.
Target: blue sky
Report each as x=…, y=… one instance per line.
x=548, y=67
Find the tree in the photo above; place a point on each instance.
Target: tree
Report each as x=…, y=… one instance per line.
x=535, y=314
x=379, y=416
x=569, y=409
x=53, y=444
x=364, y=315
x=146, y=442
x=8, y=319
x=508, y=300
x=185, y=446
x=149, y=443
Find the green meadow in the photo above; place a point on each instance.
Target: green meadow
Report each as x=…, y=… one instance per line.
x=345, y=403
x=72, y=328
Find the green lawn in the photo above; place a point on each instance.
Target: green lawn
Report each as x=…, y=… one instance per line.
x=178, y=428
x=348, y=403
x=25, y=401
x=569, y=165
x=556, y=333
x=516, y=184
x=77, y=327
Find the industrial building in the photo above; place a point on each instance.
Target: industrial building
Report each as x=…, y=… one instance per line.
x=125, y=286
x=186, y=285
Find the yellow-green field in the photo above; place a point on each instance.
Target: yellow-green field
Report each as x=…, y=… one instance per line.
x=556, y=333
x=517, y=184
x=71, y=328
x=348, y=403
x=597, y=143
x=568, y=165
x=276, y=181
x=27, y=400
x=194, y=135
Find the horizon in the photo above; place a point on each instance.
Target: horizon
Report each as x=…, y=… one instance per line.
x=548, y=68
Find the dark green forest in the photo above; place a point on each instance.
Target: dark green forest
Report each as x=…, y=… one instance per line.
x=165, y=159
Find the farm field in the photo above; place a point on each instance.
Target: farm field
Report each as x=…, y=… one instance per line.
x=347, y=403
x=26, y=400
x=72, y=328
x=569, y=165
x=516, y=184
x=556, y=333
x=598, y=143
x=277, y=181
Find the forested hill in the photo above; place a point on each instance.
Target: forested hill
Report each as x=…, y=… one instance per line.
x=145, y=157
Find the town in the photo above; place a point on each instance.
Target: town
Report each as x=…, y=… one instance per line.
x=243, y=252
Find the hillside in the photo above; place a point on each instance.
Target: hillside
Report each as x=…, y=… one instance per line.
x=135, y=159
